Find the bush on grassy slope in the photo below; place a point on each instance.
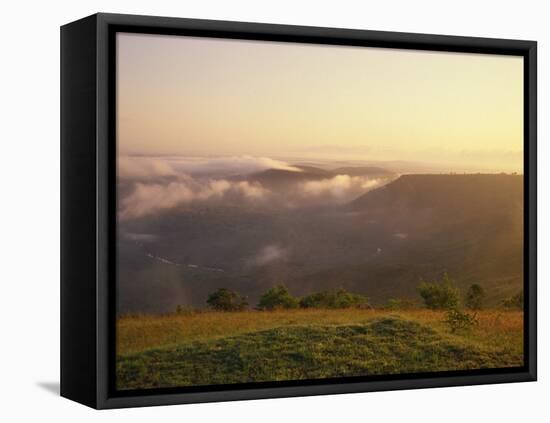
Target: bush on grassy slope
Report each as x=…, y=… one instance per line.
x=439, y=296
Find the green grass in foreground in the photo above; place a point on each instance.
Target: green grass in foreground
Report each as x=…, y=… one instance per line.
x=379, y=345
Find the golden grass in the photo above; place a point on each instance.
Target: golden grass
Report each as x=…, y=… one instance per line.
x=496, y=328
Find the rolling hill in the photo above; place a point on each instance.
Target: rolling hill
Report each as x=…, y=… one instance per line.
x=218, y=348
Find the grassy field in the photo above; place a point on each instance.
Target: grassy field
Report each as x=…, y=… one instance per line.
x=201, y=348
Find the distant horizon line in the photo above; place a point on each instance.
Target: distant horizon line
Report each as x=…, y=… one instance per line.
x=434, y=167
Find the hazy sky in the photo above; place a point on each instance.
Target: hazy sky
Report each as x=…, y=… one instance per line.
x=199, y=96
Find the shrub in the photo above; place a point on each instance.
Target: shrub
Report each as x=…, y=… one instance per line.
x=276, y=298
x=400, y=304
x=514, y=302
x=458, y=320
x=439, y=296
x=335, y=298
x=475, y=297
x=226, y=300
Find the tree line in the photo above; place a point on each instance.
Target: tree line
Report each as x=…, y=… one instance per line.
x=444, y=295
x=279, y=297
x=437, y=295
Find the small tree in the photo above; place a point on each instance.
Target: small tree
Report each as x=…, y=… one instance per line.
x=475, y=297
x=315, y=300
x=439, y=296
x=515, y=302
x=226, y=300
x=335, y=298
x=276, y=298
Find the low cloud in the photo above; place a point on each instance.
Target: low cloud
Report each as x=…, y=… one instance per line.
x=340, y=186
x=228, y=166
x=147, y=199
x=267, y=255
x=154, y=184
x=142, y=168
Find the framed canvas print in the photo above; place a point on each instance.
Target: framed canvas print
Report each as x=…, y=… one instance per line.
x=255, y=211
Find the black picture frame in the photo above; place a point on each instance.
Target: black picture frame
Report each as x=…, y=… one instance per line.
x=88, y=206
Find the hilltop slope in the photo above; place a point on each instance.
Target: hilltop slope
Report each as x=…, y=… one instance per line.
x=386, y=344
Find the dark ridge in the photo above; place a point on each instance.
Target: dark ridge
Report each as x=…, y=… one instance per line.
x=279, y=177
x=464, y=194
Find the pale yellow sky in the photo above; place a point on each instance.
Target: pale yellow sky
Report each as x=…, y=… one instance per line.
x=198, y=96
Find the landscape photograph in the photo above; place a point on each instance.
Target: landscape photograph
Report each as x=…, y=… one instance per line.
x=293, y=211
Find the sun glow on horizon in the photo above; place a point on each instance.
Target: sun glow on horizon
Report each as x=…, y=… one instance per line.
x=199, y=96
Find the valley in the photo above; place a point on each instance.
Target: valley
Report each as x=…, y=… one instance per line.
x=381, y=243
